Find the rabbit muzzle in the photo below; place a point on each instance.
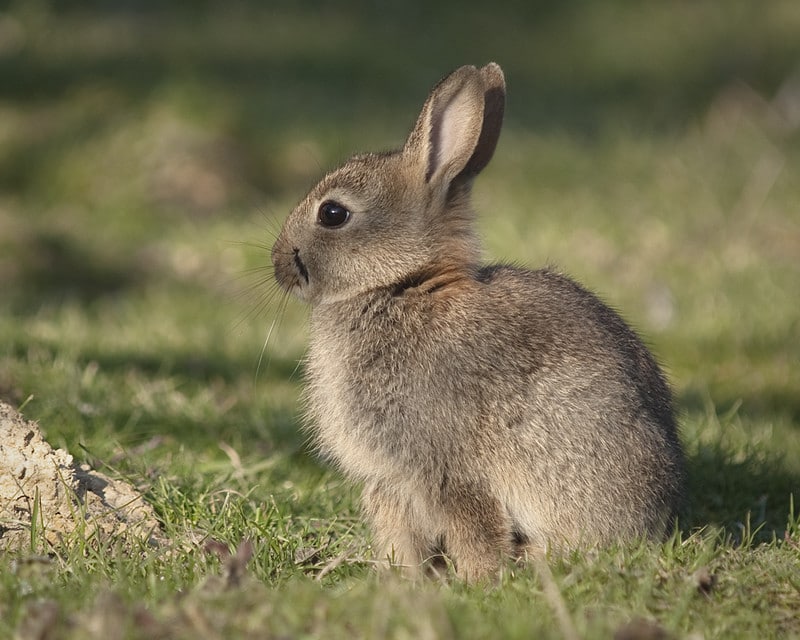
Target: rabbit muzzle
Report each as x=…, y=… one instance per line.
x=291, y=272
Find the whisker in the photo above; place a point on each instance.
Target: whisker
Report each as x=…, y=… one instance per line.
x=257, y=276
x=275, y=322
x=264, y=301
x=251, y=244
x=253, y=280
x=296, y=368
x=256, y=287
x=263, y=351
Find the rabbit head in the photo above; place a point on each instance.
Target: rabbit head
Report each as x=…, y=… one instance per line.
x=383, y=219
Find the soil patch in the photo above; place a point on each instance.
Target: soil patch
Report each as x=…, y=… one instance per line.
x=46, y=496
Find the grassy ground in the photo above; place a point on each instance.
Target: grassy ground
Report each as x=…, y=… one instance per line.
x=147, y=154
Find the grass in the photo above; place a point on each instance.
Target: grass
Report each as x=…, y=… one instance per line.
x=148, y=154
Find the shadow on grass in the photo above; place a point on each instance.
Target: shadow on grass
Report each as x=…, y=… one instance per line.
x=53, y=267
x=252, y=421
x=747, y=492
x=741, y=494
x=189, y=366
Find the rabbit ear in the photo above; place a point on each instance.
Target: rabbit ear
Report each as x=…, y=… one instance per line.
x=494, y=85
x=449, y=126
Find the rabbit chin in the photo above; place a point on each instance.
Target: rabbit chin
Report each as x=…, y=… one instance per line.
x=316, y=297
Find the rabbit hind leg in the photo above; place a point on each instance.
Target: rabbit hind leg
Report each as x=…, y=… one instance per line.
x=478, y=534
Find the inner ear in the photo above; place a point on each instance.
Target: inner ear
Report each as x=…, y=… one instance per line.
x=455, y=128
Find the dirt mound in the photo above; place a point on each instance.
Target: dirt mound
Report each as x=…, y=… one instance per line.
x=43, y=490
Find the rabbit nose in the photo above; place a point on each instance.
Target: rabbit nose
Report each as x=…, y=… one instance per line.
x=299, y=264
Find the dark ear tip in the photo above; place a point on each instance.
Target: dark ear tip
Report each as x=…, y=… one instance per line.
x=494, y=88
x=493, y=76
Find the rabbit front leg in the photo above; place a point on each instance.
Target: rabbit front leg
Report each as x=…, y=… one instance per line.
x=400, y=535
x=478, y=532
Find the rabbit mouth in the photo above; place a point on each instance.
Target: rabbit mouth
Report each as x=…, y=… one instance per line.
x=301, y=268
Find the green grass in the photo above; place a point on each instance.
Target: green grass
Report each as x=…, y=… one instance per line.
x=148, y=155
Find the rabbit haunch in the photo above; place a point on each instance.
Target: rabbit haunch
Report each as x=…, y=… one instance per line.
x=490, y=411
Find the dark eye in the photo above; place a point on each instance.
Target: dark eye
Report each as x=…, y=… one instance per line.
x=332, y=214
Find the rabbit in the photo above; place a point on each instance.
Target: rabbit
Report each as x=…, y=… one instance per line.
x=491, y=412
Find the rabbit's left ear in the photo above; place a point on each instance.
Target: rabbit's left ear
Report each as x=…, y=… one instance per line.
x=457, y=131
x=449, y=126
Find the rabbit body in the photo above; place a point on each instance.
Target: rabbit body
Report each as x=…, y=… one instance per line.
x=490, y=411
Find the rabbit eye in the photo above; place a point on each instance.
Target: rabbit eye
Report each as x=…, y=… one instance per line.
x=332, y=214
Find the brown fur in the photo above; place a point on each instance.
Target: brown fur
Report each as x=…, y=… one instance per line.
x=488, y=410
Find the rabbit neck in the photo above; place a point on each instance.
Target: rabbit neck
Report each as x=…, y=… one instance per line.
x=443, y=279
x=366, y=362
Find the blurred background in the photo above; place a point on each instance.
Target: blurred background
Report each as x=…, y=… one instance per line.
x=149, y=151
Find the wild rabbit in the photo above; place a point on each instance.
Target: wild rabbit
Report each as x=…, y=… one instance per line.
x=490, y=411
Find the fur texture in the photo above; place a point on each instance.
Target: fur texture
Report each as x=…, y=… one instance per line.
x=490, y=411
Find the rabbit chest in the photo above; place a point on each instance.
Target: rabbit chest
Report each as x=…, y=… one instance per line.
x=386, y=388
